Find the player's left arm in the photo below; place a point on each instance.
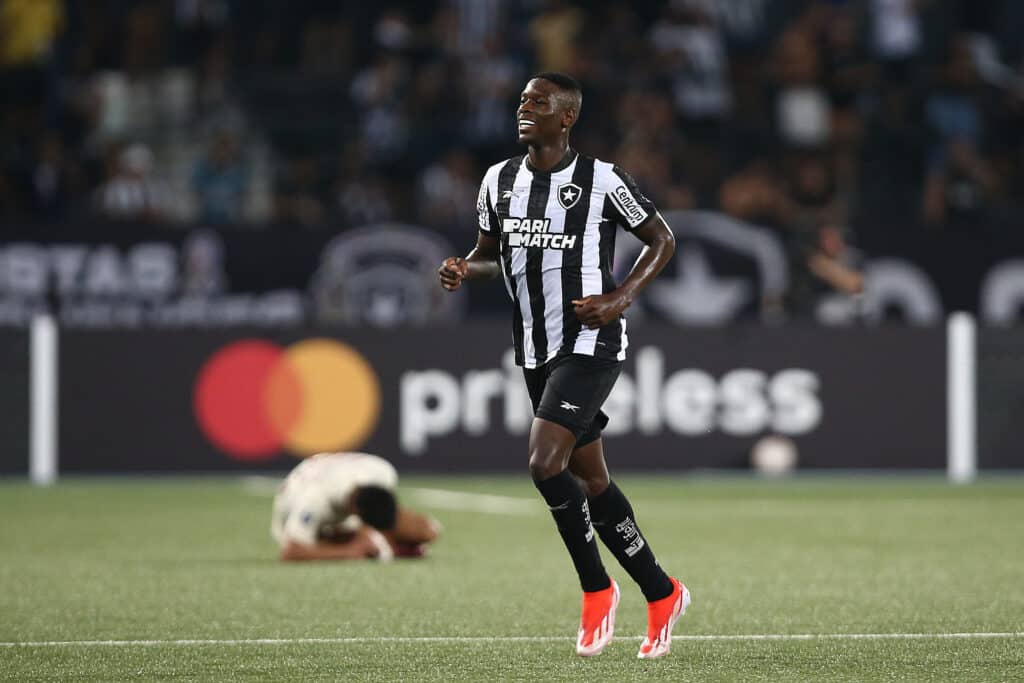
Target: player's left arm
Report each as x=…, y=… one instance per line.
x=659, y=245
x=413, y=528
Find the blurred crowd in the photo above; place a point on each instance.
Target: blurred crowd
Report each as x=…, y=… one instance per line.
x=811, y=116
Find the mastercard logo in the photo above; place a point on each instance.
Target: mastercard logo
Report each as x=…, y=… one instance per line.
x=253, y=399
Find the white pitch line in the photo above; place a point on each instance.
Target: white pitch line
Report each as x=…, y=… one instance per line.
x=444, y=499
x=505, y=639
x=476, y=502
x=259, y=485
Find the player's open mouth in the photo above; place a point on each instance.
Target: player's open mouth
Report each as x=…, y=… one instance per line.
x=525, y=123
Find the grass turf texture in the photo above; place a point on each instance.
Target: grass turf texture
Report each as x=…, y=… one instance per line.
x=141, y=559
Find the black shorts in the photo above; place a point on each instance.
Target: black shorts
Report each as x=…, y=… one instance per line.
x=569, y=390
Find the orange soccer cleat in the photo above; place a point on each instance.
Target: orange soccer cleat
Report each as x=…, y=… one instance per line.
x=661, y=617
x=597, y=623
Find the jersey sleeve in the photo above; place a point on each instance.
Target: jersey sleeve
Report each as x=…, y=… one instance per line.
x=488, y=217
x=626, y=204
x=307, y=515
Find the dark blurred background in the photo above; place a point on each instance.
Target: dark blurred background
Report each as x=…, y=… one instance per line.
x=260, y=169
x=847, y=129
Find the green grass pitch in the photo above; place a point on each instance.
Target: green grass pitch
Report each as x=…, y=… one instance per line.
x=153, y=561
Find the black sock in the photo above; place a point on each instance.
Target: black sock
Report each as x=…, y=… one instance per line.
x=616, y=525
x=569, y=507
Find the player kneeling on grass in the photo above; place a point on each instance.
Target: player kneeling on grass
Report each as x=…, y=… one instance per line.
x=342, y=506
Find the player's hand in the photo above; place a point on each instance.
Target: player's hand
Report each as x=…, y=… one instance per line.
x=452, y=272
x=600, y=309
x=382, y=551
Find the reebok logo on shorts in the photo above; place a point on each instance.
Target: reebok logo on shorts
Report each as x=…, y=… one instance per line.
x=570, y=407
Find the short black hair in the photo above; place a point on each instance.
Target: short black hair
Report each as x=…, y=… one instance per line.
x=566, y=84
x=562, y=80
x=376, y=506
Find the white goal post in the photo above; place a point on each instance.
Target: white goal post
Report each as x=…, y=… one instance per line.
x=43, y=400
x=961, y=397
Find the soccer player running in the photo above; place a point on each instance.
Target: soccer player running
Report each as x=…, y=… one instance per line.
x=547, y=226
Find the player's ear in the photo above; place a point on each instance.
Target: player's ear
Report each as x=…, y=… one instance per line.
x=568, y=118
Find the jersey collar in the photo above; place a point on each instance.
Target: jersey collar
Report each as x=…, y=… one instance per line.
x=570, y=156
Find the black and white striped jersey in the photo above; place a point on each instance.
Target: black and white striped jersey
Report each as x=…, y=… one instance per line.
x=557, y=234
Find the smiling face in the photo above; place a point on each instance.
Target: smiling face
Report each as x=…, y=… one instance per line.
x=545, y=113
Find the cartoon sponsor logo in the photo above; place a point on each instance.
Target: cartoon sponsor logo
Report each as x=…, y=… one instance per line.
x=252, y=398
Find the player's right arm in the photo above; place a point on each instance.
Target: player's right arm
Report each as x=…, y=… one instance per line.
x=479, y=264
x=482, y=262
x=365, y=543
